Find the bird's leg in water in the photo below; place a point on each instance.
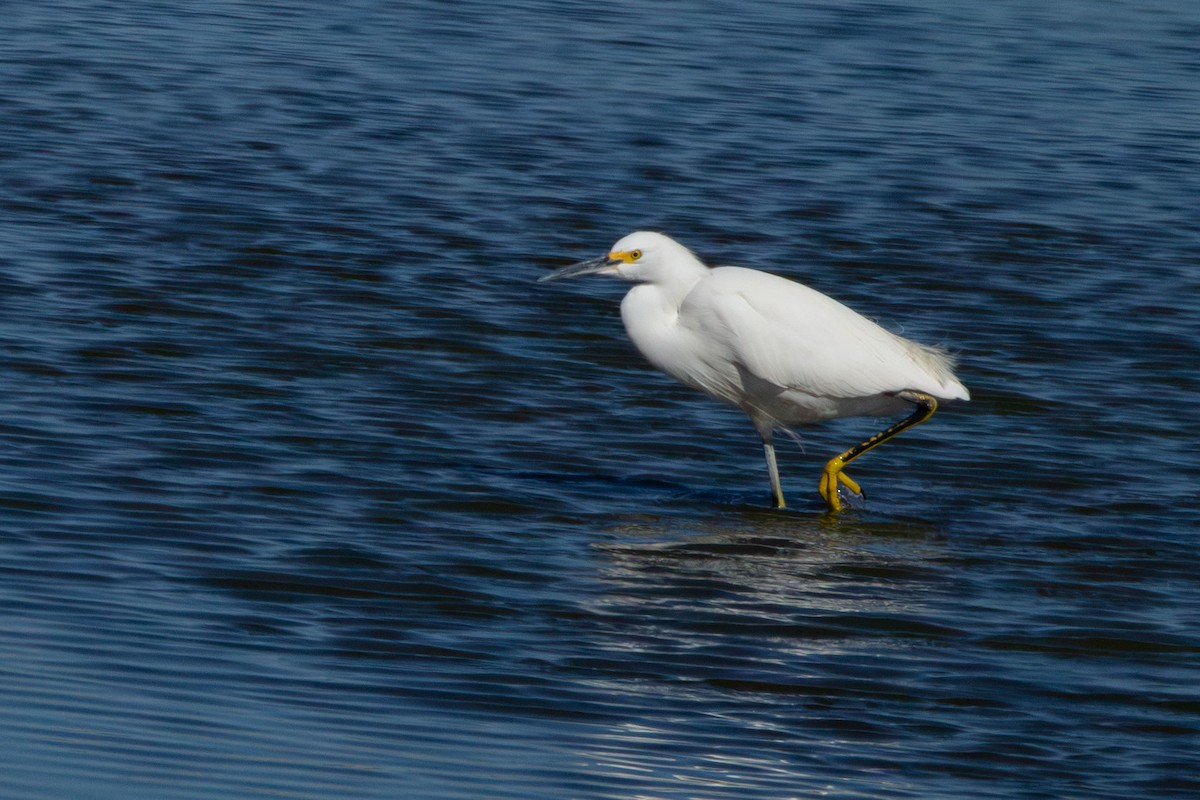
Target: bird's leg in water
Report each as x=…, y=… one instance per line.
x=833, y=474
x=773, y=469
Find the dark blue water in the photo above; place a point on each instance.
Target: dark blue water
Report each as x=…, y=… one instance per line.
x=307, y=490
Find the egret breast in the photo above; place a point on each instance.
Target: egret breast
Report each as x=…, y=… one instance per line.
x=651, y=318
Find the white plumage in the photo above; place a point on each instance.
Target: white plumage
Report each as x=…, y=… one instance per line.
x=782, y=352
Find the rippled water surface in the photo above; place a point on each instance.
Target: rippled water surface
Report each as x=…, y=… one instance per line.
x=308, y=490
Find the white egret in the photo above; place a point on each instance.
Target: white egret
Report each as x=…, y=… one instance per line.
x=782, y=352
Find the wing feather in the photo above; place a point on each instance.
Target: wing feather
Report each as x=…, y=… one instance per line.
x=796, y=338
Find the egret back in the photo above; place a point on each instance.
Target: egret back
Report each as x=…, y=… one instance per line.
x=797, y=338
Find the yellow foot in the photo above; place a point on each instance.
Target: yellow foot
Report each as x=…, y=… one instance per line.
x=830, y=479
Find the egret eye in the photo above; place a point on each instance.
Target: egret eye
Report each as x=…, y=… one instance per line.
x=635, y=255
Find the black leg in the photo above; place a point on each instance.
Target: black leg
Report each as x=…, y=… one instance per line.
x=833, y=474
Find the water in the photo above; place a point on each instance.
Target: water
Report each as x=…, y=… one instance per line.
x=307, y=489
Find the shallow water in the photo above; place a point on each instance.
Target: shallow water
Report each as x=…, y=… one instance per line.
x=308, y=490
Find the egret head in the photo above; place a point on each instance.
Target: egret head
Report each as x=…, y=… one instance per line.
x=642, y=256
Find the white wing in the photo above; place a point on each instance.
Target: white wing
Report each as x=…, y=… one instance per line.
x=796, y=338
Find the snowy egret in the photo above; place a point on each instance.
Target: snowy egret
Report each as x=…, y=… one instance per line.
x=782, y=352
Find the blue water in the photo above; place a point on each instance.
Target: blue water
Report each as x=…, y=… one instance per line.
x=308, y=490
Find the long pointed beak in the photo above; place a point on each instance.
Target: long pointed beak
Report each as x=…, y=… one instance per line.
x=592, y=265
